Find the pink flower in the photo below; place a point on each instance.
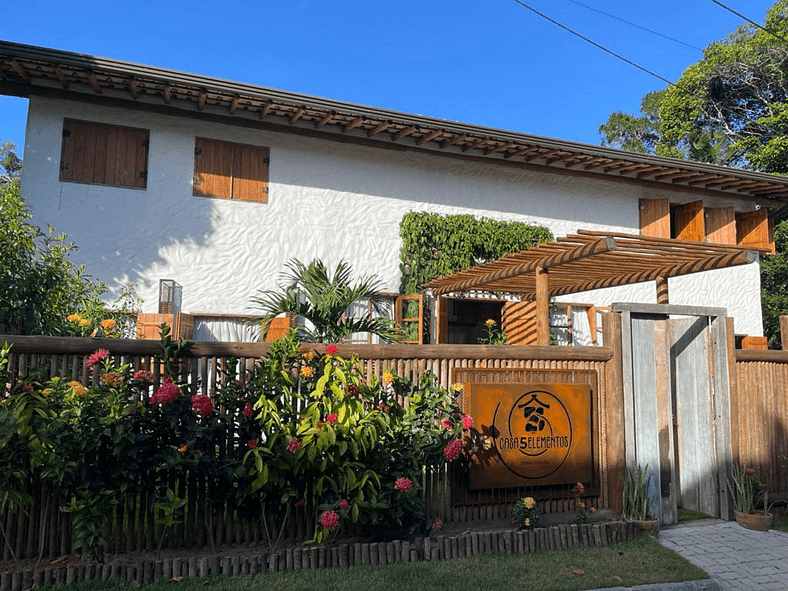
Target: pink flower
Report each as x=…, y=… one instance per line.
x=580, y=488
x=446, y=423
x=202, y=405
x=97, y=356
x=331, y=349
x=248, y=410
x=165, y=393
x=403, y=484
x=329, y=520
x=452, y=450
x=331, y=419
x=293, y=445
x=252, y=443
x=343, y=504
x=437, y=524
x=143, y=376
x=467, y=421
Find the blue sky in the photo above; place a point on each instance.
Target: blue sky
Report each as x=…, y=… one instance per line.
x=487, y=62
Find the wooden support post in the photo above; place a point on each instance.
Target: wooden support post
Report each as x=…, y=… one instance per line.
x=784, y=332
x=612, y=407
x=542, y=306
x=662, y=290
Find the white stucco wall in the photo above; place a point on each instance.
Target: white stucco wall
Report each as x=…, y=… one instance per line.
x=327, y=199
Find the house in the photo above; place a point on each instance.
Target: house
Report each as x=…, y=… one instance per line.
x=202, y=189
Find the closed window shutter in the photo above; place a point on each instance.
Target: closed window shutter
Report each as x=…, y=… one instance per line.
x=689, y=221
x=102, y=154
x=755, y=229
x=655, y=218
x=720, y=225
x=250, y=173
x=518, y=322
x=213, y=168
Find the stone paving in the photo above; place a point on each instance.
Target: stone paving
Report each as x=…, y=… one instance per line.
x=735, y=557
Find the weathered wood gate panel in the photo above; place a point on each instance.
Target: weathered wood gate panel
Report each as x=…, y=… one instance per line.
x=677, y=407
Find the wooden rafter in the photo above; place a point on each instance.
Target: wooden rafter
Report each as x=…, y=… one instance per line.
x=297, y=115
x=401, y=134
x=380, y=127
x=325, y=119
x=234, y=104
x=353, y=124
x=201, y=99
x=20, y=70
x=455, y=140
x=167, y=90
x=265, y=109
x=429, y=137
x=475, y=145
x=94, y=83
x=62, y=77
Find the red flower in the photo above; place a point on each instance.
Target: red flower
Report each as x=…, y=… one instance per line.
x=202, y=405
x=331, y=349
x=329, y=520
x=437, y=524
x=143, y=376
x=331, y=419
x=467, y=421
x=165, y=393
x=580, y=488
x=446, y=423
x=403, y=484
x=452, y=450
x=248, y=410
x=343, y=504
x=293, y=445
x=97, y=356
x=252, y=443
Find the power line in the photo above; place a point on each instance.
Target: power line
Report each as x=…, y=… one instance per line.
x=595, y=44
x=752, y=22
x=635, y=25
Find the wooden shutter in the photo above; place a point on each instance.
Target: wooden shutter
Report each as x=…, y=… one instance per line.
x=103, y=154
x=755, y=229
x=250, y=173
x=655, y=218
x=401, y=319
x=442, y=313
x=518, y=322
x=231, y=171
x=278, y=328
x=689, y=221
x=720, y=225
x=213, y=168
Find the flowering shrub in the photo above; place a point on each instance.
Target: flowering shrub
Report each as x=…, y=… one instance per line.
x=165, y=393
x=581, y=509
x=97, y=356
x=202, y=404
x=452, y=450
x=525, y=513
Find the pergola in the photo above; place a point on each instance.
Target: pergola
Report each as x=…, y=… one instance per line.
x=591, y=260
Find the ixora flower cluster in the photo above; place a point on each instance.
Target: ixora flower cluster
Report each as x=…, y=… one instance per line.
x=80, y=326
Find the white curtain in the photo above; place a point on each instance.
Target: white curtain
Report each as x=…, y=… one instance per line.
x=231, y=330
x=581, y=328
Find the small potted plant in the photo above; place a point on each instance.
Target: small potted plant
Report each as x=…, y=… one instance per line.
x=637, y=500
x=525, y=513
x=746, y=487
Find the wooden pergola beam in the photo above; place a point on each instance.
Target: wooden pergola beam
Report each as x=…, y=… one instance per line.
x=542, y=281
x=94, y=83
x=201, y=100
x=62, y=78
x=380, y=127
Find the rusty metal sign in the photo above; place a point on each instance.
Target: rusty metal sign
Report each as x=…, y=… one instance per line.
x=536, y=434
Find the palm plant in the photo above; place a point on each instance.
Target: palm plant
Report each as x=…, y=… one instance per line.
x=323, y=298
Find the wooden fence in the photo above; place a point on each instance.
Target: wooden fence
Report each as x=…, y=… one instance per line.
x=42, y=529
x=759, y=414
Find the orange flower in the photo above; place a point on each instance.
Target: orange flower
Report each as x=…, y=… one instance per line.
x=308, y=355
x=77, y=388
x=388, y=377
x=306, y=372
x=183, y=448
x=108, y=324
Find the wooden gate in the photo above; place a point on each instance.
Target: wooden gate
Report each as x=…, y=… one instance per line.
x=677, y=405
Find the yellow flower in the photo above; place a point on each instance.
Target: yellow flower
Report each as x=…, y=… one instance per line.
x=490, y=322
x=308, y=355
x=306, y=372
x=77, y=388
x=529, y=502
x=108, y=324
x=83, y=322
x=183, y=448
x=388, y=377
x=527, y=522
x=457, y=387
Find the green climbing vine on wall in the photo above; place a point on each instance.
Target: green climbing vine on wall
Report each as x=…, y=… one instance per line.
x=434, y=245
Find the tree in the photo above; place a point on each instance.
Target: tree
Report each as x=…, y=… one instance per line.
x=10, y=164
x=324, y=299
x=39, y=283
x=730, y=108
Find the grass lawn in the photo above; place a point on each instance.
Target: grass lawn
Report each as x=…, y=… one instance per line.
x=636, y=562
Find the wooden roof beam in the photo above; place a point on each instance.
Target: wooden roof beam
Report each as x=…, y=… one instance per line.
x=353, y=124
x=401, y=134
x=597, y=163
x=266, y=109
x=380, y=127
x=670, y=174
x=134, y=89
x=62, y=77
x=562, y=158
x=455, y=140
x=538, y=155
x=167, y=89
x=234, y=104
x=702, y=179
x=521, y=152
x=94, y=83
x=499, y=148
x=476, y=145
x=429, y=137
x=297, y=115
x=509, y=271
x=325, y=119
x=201, y=99
x=20, y=70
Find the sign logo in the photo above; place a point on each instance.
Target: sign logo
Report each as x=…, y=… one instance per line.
x=537, y=425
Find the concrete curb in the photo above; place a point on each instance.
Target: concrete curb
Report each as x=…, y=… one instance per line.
x=698, y=585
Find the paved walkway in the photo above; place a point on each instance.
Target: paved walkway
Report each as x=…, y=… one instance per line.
x=737, y=558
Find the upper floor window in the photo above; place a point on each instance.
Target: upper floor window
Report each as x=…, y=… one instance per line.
x=231, y=171
x=693, y=221
x=102, y=154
